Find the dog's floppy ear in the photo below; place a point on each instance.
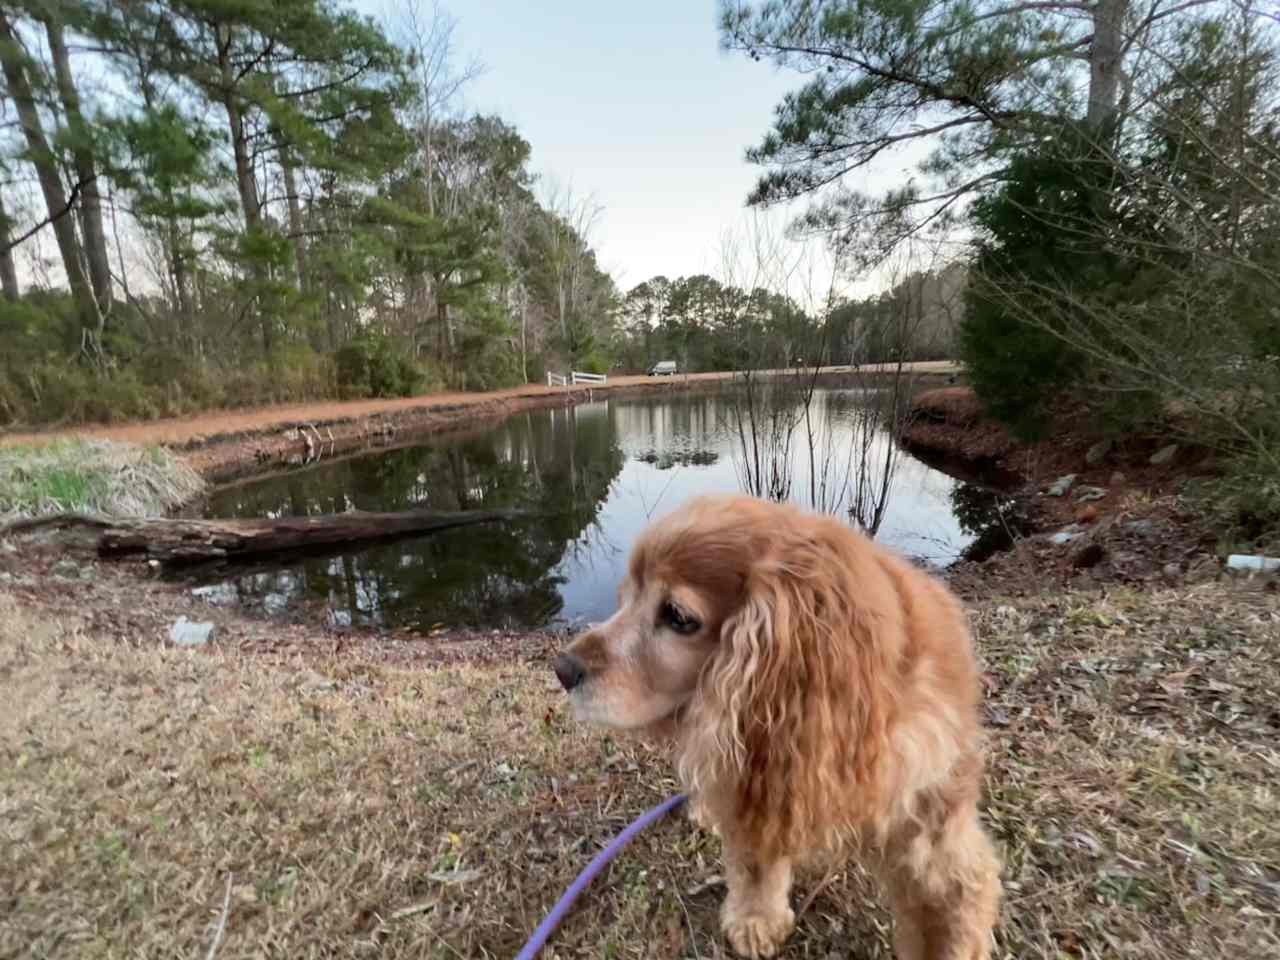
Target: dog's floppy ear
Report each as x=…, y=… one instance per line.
x=792, y=712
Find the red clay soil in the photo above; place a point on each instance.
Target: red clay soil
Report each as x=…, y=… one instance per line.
x=949, y=423
x=184, y=431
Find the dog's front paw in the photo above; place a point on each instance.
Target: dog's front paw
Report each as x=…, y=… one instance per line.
x=757, y=934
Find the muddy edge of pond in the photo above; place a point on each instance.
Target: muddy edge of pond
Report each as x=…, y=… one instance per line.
x=288, y=444
x=1087, y=509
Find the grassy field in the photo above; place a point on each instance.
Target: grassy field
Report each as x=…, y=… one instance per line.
x=157, y=802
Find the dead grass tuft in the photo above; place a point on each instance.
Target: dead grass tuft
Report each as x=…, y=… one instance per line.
x=364, y=808
x=94, y=476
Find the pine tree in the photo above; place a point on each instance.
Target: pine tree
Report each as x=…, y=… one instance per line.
x=975, y=80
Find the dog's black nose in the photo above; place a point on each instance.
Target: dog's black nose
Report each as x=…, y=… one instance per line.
x=569, y=671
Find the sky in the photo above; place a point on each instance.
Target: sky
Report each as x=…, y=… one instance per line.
x=637, y=106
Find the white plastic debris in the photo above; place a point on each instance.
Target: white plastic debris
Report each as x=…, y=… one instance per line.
x=1245, y=561
x=185, y=633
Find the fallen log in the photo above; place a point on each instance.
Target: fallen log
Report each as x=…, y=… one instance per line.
x=196, y=541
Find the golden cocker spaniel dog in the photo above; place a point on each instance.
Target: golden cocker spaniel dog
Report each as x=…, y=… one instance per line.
x=823, y=697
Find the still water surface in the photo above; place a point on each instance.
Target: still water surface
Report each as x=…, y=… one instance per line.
x=595, y=474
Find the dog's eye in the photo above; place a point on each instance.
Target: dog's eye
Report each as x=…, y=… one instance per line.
x=679, y=621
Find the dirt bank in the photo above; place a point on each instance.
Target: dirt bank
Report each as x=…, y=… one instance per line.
x=226, y=444
x=1082, y=509
x=949, y=422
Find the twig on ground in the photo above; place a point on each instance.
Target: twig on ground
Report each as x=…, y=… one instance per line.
x=443, y=942
x=813, y=895
x=222, y=922
x=693, y=933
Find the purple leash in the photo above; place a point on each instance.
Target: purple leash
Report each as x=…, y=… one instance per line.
x=540, y=935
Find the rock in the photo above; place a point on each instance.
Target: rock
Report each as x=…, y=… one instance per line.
x=185, y=633
x=1085, y=494
x=1244, y=561
x=67, y=569
x=1060, y=486
x=1163, y=455
x=1098, y=452
x=1172, y=571
x=1142, y=528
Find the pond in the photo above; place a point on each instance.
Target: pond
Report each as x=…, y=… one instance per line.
x=593, y=475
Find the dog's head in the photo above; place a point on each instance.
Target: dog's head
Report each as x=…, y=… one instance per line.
x=780, y=647
x=687, y=577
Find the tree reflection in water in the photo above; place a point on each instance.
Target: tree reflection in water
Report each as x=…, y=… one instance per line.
x=591, y=475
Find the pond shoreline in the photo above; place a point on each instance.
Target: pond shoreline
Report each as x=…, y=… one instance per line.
x=58, y=574
x=229, y=445
x=1133, y=530
x=1137, y=533
x=288, y=444
x=1089, y=541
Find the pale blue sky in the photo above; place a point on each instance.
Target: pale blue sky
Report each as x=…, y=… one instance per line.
x=634, y=103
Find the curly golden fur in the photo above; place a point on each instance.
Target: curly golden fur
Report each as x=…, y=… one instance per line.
x=823, y=697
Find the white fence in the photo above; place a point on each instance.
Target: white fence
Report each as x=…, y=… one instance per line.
x=563, y=380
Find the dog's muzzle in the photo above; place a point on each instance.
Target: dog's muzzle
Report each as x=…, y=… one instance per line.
x=569, y=671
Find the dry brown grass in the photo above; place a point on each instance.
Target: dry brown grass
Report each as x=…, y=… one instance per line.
x=366, y=809
x=93, y=476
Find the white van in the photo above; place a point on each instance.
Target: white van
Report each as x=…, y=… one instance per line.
x=664, y=368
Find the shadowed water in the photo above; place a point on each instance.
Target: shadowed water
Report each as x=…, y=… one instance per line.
x=593, y=475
